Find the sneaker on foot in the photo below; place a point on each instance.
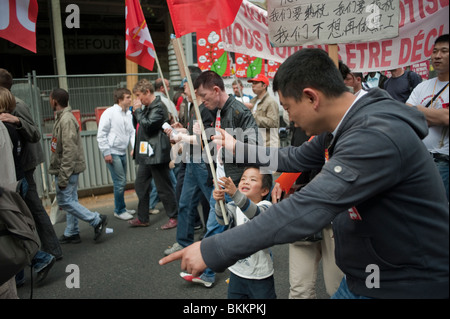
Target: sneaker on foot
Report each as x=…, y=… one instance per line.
x=99, y=230
x=172, y=223
x=124, y=216
x=154, y=211
x=175, y=247
x=137, y=223
x=130, y=211
x=74, y=239
x=197, y=280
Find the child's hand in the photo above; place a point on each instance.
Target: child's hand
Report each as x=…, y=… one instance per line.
x=228, y=185
x=218, y=194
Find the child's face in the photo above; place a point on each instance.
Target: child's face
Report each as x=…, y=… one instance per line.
x=251, y=185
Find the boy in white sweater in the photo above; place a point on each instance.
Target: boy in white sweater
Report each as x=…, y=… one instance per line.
x=252, y=277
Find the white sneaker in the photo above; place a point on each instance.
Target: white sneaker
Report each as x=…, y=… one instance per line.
x=130, y=211
x=123, y=216
x=154, y=211
x=175, y=247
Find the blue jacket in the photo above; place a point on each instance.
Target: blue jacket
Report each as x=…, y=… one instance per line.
x=379, y=188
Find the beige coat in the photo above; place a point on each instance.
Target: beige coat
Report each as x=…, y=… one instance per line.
x=267, y=117
x=67, y=155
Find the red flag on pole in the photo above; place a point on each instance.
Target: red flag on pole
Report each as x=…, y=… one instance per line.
x=202, y=15
x=18, y=22
x=138, y=42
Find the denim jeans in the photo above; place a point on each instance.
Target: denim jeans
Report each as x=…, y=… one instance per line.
x=118, y=170
x=442, y=167
x=212, y=228
x=344, y=293
x=195, y=183
x=67, y=199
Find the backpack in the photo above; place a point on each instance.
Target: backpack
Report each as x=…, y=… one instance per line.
x=19, y=240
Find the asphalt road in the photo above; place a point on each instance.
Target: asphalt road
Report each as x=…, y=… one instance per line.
x=124, y=264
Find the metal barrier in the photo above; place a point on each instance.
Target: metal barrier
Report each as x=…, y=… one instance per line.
x=86, y=93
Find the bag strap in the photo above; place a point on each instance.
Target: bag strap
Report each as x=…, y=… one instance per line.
x=436, y=96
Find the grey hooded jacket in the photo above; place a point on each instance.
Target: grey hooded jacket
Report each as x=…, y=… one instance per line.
x=379, y=188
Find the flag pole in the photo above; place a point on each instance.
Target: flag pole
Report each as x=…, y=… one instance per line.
x=200, y=121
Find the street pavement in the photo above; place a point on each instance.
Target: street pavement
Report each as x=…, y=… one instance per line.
x=124, y=263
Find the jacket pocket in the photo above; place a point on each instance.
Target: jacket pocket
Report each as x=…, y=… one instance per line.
x=334, y=180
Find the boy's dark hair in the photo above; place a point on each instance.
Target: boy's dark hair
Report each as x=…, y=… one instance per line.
x=442, y=38
x=267, y=179
x=208, y=80
x=119, y=94
x=308, y=68
x=61, y=96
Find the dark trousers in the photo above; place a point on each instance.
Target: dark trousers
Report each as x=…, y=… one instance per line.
x=166, y=193
x=44, y=227
x=242, y=288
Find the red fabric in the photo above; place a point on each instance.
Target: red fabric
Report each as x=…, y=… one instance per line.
x=139, y=44
x=202, y=15
x=286, y=180
x=21, y=27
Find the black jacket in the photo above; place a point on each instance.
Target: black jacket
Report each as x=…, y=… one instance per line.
x=148, y=123
x=237, y=120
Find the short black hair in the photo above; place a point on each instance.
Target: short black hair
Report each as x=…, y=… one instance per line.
x=208, y=80
x=61, y=96
x=442, y=38
x=308, y=68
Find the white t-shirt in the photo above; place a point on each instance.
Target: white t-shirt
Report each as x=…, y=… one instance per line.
x=260, y=264
x=437, y=139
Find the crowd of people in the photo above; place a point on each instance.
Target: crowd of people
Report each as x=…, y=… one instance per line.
x=373, y=188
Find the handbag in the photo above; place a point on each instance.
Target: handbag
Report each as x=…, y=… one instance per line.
x=57, y=214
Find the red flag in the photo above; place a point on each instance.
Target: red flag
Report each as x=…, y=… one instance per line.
x=139, y=44
x=202, y=15
x=18, y=22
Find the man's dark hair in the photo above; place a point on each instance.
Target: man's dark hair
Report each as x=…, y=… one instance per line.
x=208, y=80
x=308, y=68
x=6, y=79
x=119, y=94
x=61, y=96
x=442, y=38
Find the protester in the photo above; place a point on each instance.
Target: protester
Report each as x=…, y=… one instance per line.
x=66, y=163
x=115, y=132
x=238, y=93
x=352, y=80
x=252, y=277
x=152, y=154
x=375, y=79
x=32, y=156
x=431, y=98
x=8, y=289
x=195, y=180
x=232, y=115
x=355, y=189
x=265, y=110
x=160, y=91
x=401, y=84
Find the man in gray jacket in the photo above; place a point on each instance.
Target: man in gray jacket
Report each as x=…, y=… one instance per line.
x=377, y=184
x=66, y=163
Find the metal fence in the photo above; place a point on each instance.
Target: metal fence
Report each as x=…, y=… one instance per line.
x=86, y=93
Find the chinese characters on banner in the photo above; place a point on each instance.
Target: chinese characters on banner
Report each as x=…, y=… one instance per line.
x=304, y=22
